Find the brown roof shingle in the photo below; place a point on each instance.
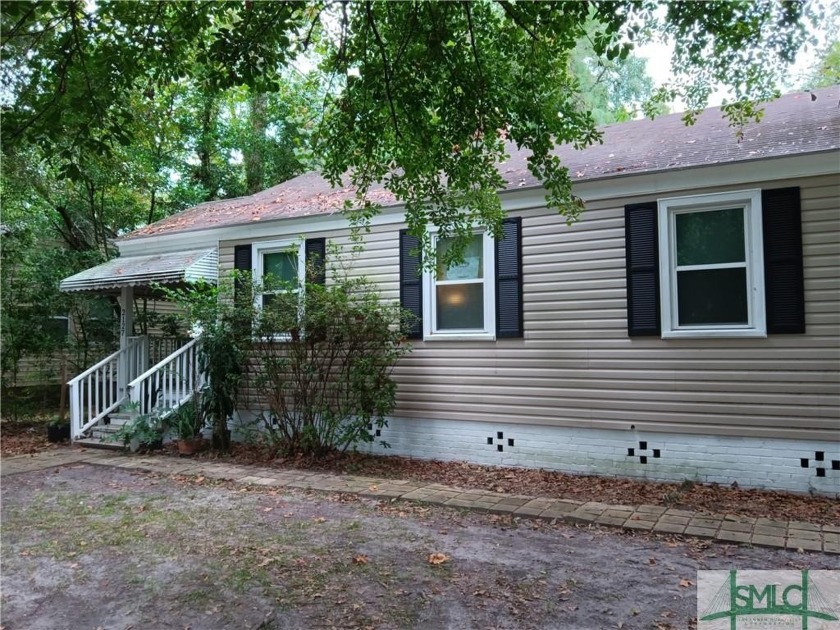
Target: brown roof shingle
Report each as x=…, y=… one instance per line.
x=793, y=124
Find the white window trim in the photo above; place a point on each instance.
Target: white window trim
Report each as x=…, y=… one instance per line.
x=668, y=208
x=271, y=247
x=430, y=298
x=258, y=268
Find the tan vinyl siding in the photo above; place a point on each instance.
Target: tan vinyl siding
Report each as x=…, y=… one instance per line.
x=576, y=365
x=37, y=371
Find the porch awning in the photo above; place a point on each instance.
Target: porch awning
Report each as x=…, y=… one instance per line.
x=142, y=271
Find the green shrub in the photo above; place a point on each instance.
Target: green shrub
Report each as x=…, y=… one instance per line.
x=322, y=364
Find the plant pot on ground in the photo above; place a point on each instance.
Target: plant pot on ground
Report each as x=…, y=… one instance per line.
x=191, y=446
x=58, y=430
x=188, y=420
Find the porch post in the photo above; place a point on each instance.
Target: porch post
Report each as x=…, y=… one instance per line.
x=126, y=326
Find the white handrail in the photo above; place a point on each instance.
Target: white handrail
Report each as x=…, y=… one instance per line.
x=93, y=368
x=163, y=363
x=171, y=381
x=95, y=392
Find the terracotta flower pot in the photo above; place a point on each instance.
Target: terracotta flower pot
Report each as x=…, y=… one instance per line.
x=190, y=447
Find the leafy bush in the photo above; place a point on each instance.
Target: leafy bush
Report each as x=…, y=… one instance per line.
x=189, y=419
x=143, y=432
x=224, y=326
x=322, y=364
x=318, y=358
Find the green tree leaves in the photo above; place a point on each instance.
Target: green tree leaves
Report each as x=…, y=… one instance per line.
x=425, y=97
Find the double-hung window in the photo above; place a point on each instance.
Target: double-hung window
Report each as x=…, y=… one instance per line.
x=711, y=265
x=460, y=298
x=57, y=327
x=278, y=268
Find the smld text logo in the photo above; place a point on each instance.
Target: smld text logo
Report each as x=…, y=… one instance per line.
x=754, y=600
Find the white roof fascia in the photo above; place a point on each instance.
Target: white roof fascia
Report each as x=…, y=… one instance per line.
x=527, y=197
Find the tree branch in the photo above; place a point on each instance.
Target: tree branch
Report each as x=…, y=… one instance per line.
x=308, y=38
x=508, y=8
x=94, y=102
x=404, y=45
x=386, y=67
x=19, y=25
x=477, y=60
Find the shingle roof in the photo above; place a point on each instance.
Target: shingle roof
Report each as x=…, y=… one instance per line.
x=793, y=124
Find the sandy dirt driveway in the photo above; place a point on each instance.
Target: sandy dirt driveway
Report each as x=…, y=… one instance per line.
x=92, y=547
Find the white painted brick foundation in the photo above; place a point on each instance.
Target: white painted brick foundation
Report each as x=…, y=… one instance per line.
x=753, y=463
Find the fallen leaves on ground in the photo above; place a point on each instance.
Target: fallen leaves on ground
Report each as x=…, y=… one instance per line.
x=25, y=436
x=361, y=559
x=29, y=437
x=438, y=558
x=709, y=498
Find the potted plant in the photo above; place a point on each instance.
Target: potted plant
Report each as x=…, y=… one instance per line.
x=58, y=430
x=188, y=420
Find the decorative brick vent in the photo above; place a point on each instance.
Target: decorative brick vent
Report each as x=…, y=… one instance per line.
x=643, y=452
x=820, y=463
x=500, y=442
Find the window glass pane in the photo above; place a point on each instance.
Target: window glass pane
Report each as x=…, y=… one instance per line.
x=56, y=328
x=715, y=236
x=473, y=265
x=460, y=306
x=282, y=266
x=713, y=296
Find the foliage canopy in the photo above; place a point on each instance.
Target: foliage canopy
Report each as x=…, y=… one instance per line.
x=425, y=98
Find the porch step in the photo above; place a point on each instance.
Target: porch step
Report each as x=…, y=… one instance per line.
x=96, y=443
x=120, y=417
x=105, y=431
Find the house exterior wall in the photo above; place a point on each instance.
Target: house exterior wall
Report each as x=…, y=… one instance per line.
x=576, y=380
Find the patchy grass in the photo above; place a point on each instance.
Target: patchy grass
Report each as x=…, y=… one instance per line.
x=90, y=546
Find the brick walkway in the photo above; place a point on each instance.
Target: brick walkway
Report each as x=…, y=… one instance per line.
x=725, y=528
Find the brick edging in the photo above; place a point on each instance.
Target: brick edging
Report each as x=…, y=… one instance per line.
x=728, y=528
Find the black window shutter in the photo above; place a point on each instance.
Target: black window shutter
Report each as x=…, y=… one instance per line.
x=509, y=279
x=784, y=289
x=642, y=259
x=411, y=285
x=315, y=257
x=242, y=263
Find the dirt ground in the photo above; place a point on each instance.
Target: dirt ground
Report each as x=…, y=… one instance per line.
x=91, y=547
x=28, y=436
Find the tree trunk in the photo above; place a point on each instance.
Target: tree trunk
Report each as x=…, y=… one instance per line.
x=254, y=163
x=205, y=147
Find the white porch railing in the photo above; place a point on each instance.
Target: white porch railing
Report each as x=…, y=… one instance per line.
x=169, y=383
x=161, y=347
x=96, y=392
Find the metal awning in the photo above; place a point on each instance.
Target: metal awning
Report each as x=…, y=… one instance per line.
x=143, y=271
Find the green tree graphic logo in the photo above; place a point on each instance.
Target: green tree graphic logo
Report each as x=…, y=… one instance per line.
x=800, y=599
